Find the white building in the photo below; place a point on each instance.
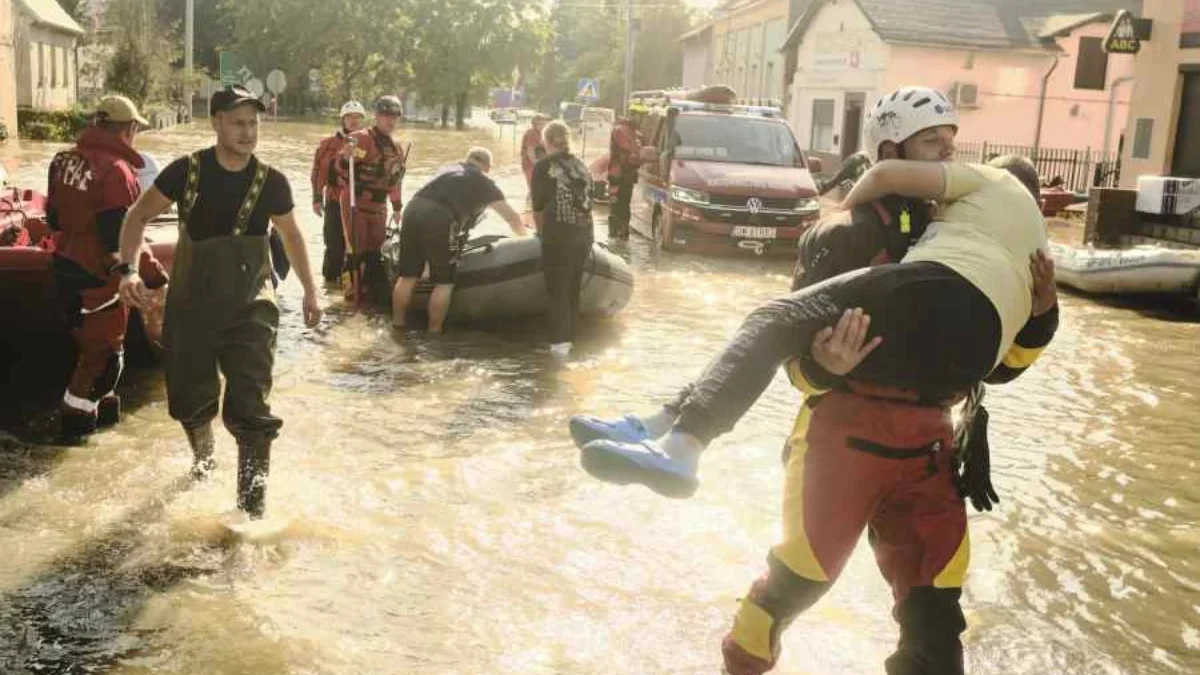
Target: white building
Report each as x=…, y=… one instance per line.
x=45, y=38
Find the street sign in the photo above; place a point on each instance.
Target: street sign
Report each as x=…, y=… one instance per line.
x=1122, y=35
x=233, y=68
x=255, y=86
x=276, y=81
x=589, y=90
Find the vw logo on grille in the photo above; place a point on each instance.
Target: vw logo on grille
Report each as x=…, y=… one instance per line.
x=754, y=205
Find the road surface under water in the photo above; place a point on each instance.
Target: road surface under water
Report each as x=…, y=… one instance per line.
x=438, y=520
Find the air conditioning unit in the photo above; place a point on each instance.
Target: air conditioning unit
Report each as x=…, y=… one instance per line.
x=964, y=95
x=1167, y=195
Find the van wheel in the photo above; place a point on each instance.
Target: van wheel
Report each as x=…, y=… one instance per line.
x=656, y=230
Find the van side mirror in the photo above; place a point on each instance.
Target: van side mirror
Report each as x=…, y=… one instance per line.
x=648, y=154
x=815, y=165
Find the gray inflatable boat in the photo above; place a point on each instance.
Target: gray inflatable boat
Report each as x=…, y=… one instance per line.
x=502, y=277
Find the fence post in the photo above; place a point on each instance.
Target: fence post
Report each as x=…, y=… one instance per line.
x=983, y=158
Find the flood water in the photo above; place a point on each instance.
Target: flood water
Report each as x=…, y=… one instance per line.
x=439, y=521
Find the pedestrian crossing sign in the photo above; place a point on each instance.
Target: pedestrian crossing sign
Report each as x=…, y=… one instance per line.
x=589, y=90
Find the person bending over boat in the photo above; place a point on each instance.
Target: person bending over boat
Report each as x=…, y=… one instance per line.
x=435, y=222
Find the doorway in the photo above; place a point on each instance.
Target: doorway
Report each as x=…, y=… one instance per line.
x=1186, y=160
x=852, y=120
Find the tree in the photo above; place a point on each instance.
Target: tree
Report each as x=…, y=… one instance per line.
x=583, y=51
x=143, y=52
x=461, y=47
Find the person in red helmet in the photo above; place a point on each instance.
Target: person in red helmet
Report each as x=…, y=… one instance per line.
x=91, y=186
x=379, y=166
x=326, y=189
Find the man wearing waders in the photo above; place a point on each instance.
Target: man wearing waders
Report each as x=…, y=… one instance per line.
x=327, y=188
x=220, y=311
x=373, y=170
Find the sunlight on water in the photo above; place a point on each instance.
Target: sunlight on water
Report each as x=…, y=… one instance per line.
x=430, y=514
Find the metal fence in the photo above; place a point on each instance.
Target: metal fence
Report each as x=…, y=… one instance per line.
x=1075, y=170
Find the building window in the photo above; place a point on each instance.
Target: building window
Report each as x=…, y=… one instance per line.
x=41, y=78
x=66, y=68
x=1143, y=130
x=822, y=126
x=1091, y=65
x=53, y=66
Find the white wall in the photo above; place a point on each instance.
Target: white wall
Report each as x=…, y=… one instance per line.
x=839, y=53
x=696, y=59
x=46, y=68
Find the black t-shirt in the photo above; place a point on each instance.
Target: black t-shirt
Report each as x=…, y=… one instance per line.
x=463, y=189
x=221, y=193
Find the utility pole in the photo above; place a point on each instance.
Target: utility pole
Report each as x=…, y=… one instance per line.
x=189, y=40
x=629, y=41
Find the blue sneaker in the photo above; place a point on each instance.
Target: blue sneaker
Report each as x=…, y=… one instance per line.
x=642, y=462
x=628, y=429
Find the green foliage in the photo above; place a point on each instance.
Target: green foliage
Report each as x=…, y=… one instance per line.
x=589, y=42
x=143, y=52
x=46, y=125
x=129, y=72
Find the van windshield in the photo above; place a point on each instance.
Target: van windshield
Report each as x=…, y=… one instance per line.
x=735, y=139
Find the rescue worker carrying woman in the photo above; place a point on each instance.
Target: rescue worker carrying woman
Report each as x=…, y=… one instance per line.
x=895, y=473
x=562, y=209
x=91, y=186
x=379, y=167
x=221, y=315
x=327, y=189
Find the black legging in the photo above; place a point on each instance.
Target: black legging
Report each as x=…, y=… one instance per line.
x=619, y=213
x=563, y=263
x=940, y=337
x=335, y=243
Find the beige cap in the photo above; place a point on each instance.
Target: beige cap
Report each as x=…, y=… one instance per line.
x=119, y=109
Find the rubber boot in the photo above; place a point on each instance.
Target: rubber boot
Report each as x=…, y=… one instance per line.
x=254, y=463
x=108, y=412
x=202, y=442
x=75, y=424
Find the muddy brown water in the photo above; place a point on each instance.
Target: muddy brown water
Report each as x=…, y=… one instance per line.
x=437, y=519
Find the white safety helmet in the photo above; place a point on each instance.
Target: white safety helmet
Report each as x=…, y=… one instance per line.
x=896, y=117
x=352, y=108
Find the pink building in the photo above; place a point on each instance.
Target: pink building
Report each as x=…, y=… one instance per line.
x=1022, y=72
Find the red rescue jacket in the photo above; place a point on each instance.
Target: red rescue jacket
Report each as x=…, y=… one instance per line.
x=379, y=166
x=98, y=174
x=325, y=177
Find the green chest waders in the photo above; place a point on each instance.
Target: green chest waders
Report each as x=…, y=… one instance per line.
x=221, y=315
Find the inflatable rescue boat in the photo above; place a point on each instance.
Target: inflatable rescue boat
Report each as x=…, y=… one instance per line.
x=500, y=277
x=1141, y=269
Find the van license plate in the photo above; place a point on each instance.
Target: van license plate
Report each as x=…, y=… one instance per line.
x=753, y=232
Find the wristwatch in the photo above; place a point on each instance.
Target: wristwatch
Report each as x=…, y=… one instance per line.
x=124, y=269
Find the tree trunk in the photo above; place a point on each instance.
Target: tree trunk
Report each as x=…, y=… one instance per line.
x=460, y=110
x=445, y=115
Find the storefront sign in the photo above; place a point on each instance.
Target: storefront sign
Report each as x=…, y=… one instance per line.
x=1122, y=36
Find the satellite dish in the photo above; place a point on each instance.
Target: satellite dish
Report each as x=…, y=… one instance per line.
x=148, y=172
x=255, y=86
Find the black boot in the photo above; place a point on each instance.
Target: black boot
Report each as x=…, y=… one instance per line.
x=202, y=442
x=108, y=412
x=254, y=463
x=76, y=424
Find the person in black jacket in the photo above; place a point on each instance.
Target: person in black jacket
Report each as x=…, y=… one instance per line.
x=562, y=206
